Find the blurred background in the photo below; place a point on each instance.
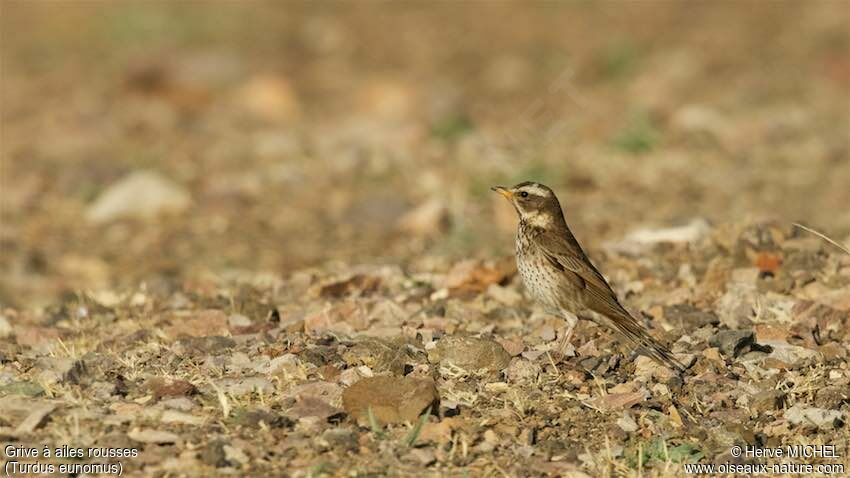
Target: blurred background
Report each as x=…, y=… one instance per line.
x=168, y=142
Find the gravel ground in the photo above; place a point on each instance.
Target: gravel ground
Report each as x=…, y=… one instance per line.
x=240, y=239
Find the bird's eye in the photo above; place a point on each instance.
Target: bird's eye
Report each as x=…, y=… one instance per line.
x=523, y=194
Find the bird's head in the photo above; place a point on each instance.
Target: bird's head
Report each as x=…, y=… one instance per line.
x=535, y=203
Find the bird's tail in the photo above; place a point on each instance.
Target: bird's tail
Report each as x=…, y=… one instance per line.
x=635, y=332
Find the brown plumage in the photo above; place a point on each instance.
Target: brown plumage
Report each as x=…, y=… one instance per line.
x=558, y=274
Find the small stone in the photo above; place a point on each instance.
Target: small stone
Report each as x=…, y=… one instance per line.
x=505, y=295
x=833, y=351
x=522, y=370
x=213, y=454
x=793, y=355
x=642, y=240
x=235, y=455
x=514, y=347
x=766, y=401
x=814, y=417
x=733, y=343
x=183, y=404
x=646, y=369
x=340, y=438
x=619, y=401
x=391, y=399
x=244, y=385
x=470, y=353
x=429, y=219
x=269, y=97
x=35, y=418
x=627, y=423
x=423, y=456
x=832, y=397
x=238, y=321
x=203, y=346
x=173, y=416
x=5, y=327
x=253, y=418
x=712, y=353
x=141, y=194
x=169, y=387
x=152, y=436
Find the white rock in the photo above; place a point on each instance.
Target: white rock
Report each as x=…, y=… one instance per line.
x=627, y=423
x=238, y=320
x=812, y=416
x=642, y=239
x=152, y=436
x=429, y=219
x=173, y=416
x=244, y=385
x=5, y=327
x=141, y=194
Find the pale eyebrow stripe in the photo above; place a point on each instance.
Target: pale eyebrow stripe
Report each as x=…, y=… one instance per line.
x=536, y=190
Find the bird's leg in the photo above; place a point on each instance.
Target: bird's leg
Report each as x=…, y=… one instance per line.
x=564, y=344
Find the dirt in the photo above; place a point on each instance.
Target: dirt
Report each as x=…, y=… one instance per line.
x=247, y=239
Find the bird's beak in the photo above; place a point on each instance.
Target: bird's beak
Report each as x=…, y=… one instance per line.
x=504, y=192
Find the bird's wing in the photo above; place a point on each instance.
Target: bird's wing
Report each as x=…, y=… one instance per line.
x=567, y=256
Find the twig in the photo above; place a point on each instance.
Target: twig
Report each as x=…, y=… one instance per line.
x=822, y=236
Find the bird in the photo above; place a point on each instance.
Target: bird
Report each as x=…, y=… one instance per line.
x=559, y=276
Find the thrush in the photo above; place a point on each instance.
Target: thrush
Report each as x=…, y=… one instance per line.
x=559, y=276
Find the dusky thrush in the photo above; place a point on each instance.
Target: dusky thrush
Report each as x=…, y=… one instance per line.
x=560, y=277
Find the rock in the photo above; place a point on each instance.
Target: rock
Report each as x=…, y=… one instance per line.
x=203, y=346
x=814, y=417
x=644, y=239
x=327, y=392
x=354, y=285
x=471, y=277
x=339, y=438
x=350, y=376
x=36, y=417
x=627, y=423
x=430, y=219
x=521, y=370
x=767, y=401
x=391, y=399
x=161, y=387
x=513, y=347
x=25, y=388
x=833, y=351
x=832, y=397
x=61, y=369
x=504, y=295
x=422, y=456
x=380, y=355
x=792, y=355
x=152, y=436
x=647, y=369
x=235, y=455
x=205, y=323
x=269, y=97
x=312, y=407
x=238, y=322
x=141, y=194
x=213, y=454
x=5, y=327
x=619, y=401
x=173, y=416
x=255, y=418
x=733, y=343
x=183, y=404
x=244, y=385
x=470, y=353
